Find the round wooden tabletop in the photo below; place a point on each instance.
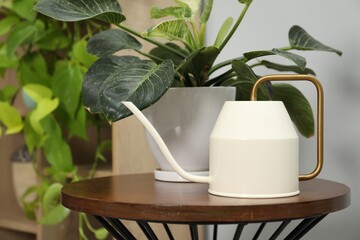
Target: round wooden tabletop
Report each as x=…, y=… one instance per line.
x=140, y=197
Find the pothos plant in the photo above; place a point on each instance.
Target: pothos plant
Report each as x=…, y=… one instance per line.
x=183, y=60
x=50, y=60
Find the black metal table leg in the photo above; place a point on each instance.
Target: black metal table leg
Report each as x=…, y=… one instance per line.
x=194, y=232
x=146, y=228
x=109, y=228
x=304, y=226
x=238, y=231
x=279, y=230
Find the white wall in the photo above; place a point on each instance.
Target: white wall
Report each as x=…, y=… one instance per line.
x=336, y=23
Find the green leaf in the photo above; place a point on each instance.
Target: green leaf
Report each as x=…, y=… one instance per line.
x=44, y=108
x=53, y=211
x=80, y=55
x=194, y=5
x=298, y=107
x=77, y=125
x=198, y=64
x=175, y=29
x=178, y=12
x=57, y=151
x=33, y=140
x=111, y=41
x=162, y=53
x=72, y=11
x=33, y=69
x=22, y=33
x=53, y=39
x=244, y=71
x=223, y=31
x=7, y=93
x=96, y=76
x=103, y=147
x=66, y=85
x=301, y=40
x=297, y=59
x=141, y=82
x=7, y=61
x=11, y=118
x=206, y=11
x=286, y=68
x=101, y=233
x=24, y=9
x=7, y=23
x=37, y=92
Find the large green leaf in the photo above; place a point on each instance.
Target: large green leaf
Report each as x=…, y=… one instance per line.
x=301, y=40
x=197, y=65
x=286, y=68
x=175, y=29
x=244, y=71
x=44, y=107
x=297, y=59
x=298, y=107
x=111, y=41
x=124, y=78
x=96, y=76
x=142, y=83
x=72, y=11
x=80, y=55
x=33, y=69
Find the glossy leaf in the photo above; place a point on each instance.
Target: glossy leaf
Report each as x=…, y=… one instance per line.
x=177, y=12
x=298, y=107
x=297, y=59
x=110, y=41
x=172, y=29
x=96, y=76
x=302, y=40
x=142, y=83
x=10, y=118
x=286, y=68
x=72, y=11
x=224, y=30
x=198, y=64
x=244, y=71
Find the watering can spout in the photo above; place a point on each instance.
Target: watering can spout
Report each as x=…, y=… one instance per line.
x=164, y=149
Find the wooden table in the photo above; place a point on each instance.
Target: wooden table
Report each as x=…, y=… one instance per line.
x=142, y=199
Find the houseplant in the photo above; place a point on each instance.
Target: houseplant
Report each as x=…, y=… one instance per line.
x=49, y=60
x=183, y=60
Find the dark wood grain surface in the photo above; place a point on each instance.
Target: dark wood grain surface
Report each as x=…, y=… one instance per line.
x=140, y=197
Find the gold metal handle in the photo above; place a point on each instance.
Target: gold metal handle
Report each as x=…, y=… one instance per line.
x=320, y=113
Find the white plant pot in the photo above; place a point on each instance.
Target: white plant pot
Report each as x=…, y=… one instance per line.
x=24, y=177
x=184, y=118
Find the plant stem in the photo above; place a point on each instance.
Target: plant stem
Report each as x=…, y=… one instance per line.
x=159, y=44
x=233, y=30
x=223, y=64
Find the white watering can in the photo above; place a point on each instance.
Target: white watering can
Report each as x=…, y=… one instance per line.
x=253, y=147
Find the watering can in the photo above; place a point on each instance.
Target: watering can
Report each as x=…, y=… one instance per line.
x=254, y=147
